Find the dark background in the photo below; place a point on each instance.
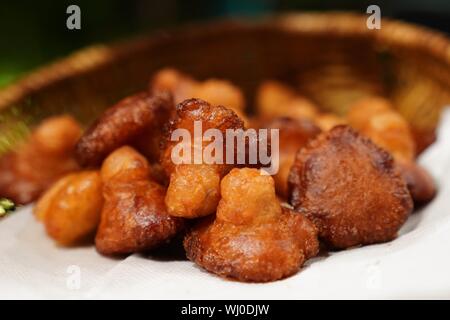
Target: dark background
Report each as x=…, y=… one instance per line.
x=34, y=32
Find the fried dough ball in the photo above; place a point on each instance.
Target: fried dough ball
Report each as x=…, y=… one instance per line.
x=376, y=118
x=134, y=217
x=222, y=93
x=40, y=161
x=294, y=134
x=275, y=99
x=70, y=209
x=360, y=113
x=420, y=184
x=215, y=91
x=350, y=189
x=138, y=118
x=252, y=238
x=46, y=199
x=194, y=189
x=180, y=85
x=390, y=131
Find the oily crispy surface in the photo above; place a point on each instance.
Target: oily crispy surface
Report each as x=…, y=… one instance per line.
x=420, y=184
x=253, y=238
x=350, y=189
x=194, y=189
x=294, y=134
x=134, y=217
x=70, y=209
x=41, y=160
x=217, y=117
x=137, y=118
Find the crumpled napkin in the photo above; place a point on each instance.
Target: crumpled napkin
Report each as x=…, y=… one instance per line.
x=415, y=265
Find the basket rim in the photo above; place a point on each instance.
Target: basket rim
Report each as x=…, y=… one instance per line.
x=339, y=24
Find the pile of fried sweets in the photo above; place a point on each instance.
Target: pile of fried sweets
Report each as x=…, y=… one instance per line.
x=342, y=181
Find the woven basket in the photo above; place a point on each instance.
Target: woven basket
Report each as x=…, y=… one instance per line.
x=332, y=58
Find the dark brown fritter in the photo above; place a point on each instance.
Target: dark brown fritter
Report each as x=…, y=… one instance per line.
x=420, y=184
x=46, y=156
x=253, y=238
x=294, y=134
x=194, y=189
x=350, y=189
x=136, y=119
x=134, y=217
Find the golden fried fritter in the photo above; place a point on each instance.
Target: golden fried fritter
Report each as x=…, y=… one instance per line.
x=349, y=188
x=294, y=134
x=221, y=93
x=134, y=217
x=138, y=118
x=194, y=188
x=375, y=118
x=360, y=113
x=71, y=208
x=275, y=99
x=215, y=91
x=46, y=199
x=420, y=184
x=41, y=160
x=180, y=85
x=252, y=238
x=390, y=131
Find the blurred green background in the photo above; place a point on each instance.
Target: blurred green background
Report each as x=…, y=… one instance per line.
x=34, y=32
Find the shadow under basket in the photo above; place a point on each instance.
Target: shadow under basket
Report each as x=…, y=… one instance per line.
x=332, y=58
